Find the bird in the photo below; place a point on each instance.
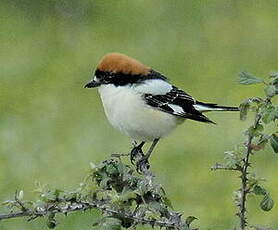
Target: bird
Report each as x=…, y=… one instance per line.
x=142, y=103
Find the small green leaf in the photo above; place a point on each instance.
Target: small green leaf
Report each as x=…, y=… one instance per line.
x=189, y=220
x=112, y=169
x=259, y=190
x=263, y=141
x=267, y=118
x=275, y=81
x=246, y=78
x=167, y=202
x=255, y=131
x=104, y=182
x=244, y=107
x=97, y=222
x=51, y=222
x=274, y=142
x=109, y=223
x=267, y=203
x=152, y=215
x=247, y=105
x=271, y=90
x=93, y=166
x=20, y=195
x=269, y=113
x=273, y=74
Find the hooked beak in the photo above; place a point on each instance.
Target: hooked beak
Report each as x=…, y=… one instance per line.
x=92, y=84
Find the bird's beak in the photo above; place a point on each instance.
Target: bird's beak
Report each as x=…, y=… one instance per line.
x=92, y=84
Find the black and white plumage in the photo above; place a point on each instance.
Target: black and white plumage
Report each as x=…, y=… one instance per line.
x=141, y=102
x=178, y=103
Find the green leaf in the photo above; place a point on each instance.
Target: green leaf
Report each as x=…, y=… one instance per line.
x=271, y=90
x=269, y=113
x=275, y=82
x=128, y=194
x=244, y=107
x=267, y=203
x=109, y=223
x=274, y=77
x=274, y=142
x=104, y=182
x=20, y=195
x=246, y=78
x=189, y=220
x=50, y=195
x=262, y=141
x=273, y=74
x=51, y=222
x=152, y=215
x=167, y=202
x=259, y=190
x=112, y=169
x=255, y=131
x=248, y=104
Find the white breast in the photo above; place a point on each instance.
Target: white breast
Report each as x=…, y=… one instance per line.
x=126, y=111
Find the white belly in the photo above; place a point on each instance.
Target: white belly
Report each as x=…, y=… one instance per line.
x=127, y=112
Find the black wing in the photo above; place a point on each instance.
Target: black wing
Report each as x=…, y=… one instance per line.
x=178, y=103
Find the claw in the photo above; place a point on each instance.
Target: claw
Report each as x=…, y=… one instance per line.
x=134, y=152
x=143, y=165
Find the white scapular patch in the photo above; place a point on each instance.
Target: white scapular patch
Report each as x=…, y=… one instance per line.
x=177, y=109
x=153, y=86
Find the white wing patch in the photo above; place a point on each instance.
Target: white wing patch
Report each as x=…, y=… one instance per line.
x=154, y=87
x=177, y=109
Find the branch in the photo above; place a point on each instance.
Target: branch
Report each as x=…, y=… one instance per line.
x=219, y=166
x=239, y=158
x=124, y=197
x=244, y=176
x=83, y=206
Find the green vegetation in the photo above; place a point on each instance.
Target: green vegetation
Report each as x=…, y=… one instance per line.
x=51, y=127
x=257, y=136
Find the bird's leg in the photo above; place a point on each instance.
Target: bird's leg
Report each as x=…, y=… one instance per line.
x=143, y=163
x=147, y=156
x=137, y=149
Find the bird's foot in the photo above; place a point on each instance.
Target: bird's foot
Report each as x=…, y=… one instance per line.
x=135, y=152
x=143, y=165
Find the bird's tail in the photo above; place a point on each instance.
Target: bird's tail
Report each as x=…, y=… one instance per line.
x=206, y=107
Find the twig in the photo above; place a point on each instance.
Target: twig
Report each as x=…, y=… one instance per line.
x=219, y=166
x=83, y=206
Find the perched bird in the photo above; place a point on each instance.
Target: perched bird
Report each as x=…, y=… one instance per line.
x=142, y=103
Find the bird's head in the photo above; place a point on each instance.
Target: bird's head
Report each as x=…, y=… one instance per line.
x=118, y=69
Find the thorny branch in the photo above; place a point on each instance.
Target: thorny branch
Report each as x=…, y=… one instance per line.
x=113, y=188
x=244, y=177
x=239, y=158
x=83, y=206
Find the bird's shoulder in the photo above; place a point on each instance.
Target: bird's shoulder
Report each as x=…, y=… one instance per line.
x=156, y=83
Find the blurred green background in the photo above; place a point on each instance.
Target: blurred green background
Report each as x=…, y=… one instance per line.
x=51, y=128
